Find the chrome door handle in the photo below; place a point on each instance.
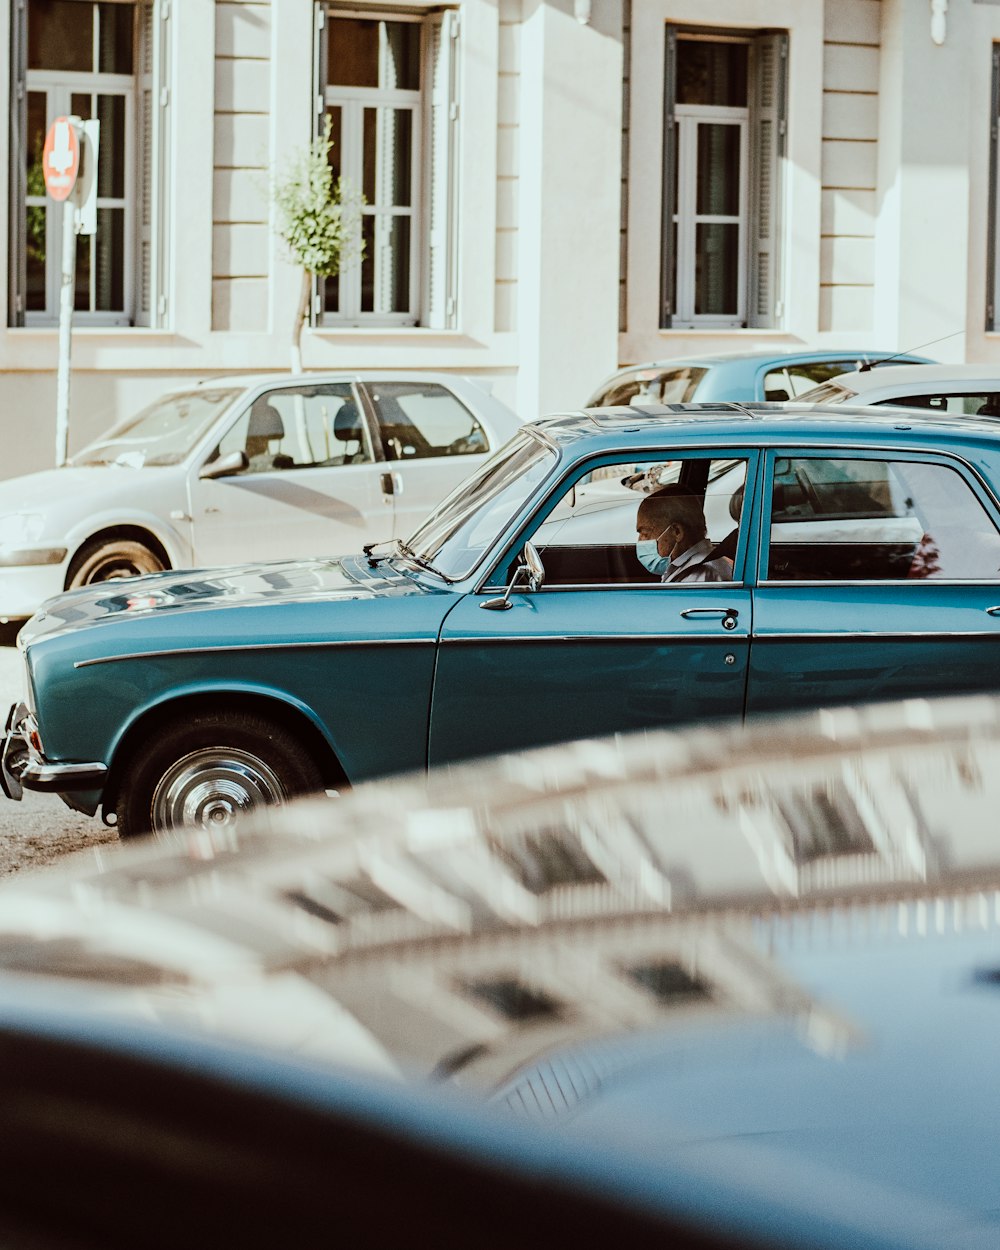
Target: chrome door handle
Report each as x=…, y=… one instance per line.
x=728, y=616
x=993, y=611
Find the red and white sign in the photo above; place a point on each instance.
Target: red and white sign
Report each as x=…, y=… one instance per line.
x=60, y=158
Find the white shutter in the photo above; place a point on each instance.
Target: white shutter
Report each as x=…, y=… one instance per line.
x=441, y=297
x=153, y=234
x=17, y=226
x=767, y=152
x=993, y=198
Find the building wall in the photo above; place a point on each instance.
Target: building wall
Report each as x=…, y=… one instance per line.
x=851, y=53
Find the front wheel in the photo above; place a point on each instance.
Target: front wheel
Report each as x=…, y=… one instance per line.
x=111, y=559
x=211, y=772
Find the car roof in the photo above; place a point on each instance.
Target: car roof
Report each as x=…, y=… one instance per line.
x=248, y=381
x=640, y=424
x=763, y=357
x=888, y=376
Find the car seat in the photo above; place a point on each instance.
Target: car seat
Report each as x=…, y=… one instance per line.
x=347, y=428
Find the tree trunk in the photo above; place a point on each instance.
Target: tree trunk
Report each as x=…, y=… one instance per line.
x=301, y=312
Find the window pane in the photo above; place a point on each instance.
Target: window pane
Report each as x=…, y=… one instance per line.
x=711, y=73
x=308, y=427
x=82, y=105
x=368, y=264
x=81, y=288
x=111, y=159
x=862, y=520
x=716, y=269
x=36, y=128
x=421, y=419
x=110, y=260
x=402, y=56
x=591, y=534
x=353, y=52
x=718, y=170
x=393, y=137
x=116, y=23
x=394, y=276
x=35, y=259
x=334, y=156
x=60, y=35
x=966, y=405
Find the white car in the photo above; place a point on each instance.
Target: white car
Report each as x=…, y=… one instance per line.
x=966, y=390
x=245, y=468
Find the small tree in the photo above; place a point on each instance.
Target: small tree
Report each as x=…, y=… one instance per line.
x=320, y=221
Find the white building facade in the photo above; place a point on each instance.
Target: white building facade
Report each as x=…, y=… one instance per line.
x=551, y=188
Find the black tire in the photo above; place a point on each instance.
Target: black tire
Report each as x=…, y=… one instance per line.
x=211, y=771
x=105, y=560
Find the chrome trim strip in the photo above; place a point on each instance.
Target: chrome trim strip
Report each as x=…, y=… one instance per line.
x=967, y=582
x=723, y=636
x=259, y=646
x=883, y=636
x=552, y=589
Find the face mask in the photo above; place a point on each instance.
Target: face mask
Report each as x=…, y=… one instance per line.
x=645, y=550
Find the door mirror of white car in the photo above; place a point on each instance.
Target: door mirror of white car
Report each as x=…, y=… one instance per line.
x=225, y=466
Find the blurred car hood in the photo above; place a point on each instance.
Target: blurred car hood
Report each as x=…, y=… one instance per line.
x=675, y=943
x=89, y=488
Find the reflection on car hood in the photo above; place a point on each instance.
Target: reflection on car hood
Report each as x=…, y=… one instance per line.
x=671, y=942
x=199, y=589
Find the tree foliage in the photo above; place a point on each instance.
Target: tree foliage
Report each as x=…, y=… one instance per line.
x=319, y=219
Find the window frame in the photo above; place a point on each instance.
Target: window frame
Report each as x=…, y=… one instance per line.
x=499, y=574
x=147, y=225
x=763, y=174
x=948, y=460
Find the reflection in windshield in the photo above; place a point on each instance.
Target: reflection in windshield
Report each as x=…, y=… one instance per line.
x=164, y=433
x=458, y=533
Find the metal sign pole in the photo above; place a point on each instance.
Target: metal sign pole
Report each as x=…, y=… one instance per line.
x=66, y=291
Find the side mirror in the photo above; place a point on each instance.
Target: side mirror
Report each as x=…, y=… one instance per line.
x=225, y=466
x=529, y=569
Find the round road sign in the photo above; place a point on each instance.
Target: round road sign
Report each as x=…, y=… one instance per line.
x=61, y=158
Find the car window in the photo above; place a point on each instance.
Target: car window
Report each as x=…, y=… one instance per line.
x=863, y=520
x=304, y=427
x=420, y=419
x=791, y=381
x=985, y=404
x=162, y=434
x=655, y=386
x=590, y=536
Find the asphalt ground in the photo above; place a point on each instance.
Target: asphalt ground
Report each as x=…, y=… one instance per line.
x=41, y=828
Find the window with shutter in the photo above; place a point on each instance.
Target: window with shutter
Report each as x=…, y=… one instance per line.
x=723, y=147
x=104, y=59
x=389, y=87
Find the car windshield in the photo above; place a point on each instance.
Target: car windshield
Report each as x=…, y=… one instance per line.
x=164, y=433
x=827, y=393
x=454, y=537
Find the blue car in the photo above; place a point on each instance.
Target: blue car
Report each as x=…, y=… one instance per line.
x=772, y=377
x=769, y=560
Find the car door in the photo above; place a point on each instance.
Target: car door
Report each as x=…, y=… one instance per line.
x=312, y=486
x=603, y=646
x=429, y=440
x=879, y=579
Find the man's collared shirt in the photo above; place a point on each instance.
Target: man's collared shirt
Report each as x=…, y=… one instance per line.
x=690, y=565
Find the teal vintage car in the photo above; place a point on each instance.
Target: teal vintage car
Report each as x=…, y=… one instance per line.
x=843, y=557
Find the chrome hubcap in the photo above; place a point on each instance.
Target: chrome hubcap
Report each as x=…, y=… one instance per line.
x=213, y=788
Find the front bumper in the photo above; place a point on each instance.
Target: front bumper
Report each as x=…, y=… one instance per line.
x=23, y=767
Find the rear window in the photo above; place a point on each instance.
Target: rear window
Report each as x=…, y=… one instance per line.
x=661, y=386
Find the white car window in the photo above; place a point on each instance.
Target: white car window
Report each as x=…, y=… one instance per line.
x=300, y=427
x=422, y=419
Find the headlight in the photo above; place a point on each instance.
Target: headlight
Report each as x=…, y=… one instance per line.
x=20, y=527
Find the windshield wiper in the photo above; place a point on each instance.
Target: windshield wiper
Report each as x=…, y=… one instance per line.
x=368, y=548
x=409, y=554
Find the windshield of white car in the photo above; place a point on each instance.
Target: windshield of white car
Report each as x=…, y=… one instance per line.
x=164, y=433
x=455, y=537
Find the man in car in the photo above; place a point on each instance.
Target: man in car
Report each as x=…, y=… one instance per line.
x=672, y=539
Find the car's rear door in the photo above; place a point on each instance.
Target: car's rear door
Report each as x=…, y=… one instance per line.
x=602, y=647
x=879, y=579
